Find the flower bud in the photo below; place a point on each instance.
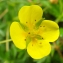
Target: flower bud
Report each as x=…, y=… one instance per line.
x=53, y=1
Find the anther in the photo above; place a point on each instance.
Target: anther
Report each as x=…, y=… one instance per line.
x=35, y=20
x=26, y=22
x=43, y=26
x=42, y=38
x=25, y=39
x=32, y=44
x=40, y=43
x=29, y=33
x=40, y=26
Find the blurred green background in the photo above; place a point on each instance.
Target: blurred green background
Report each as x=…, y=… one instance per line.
x=53, y=10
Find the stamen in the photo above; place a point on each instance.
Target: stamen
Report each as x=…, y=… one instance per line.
x=29, y=33
x=40, y=43
x=35, y=20
x=40, y=26
x=42, y=38
x=32, y=44
x=26, y=22
x=43, y=26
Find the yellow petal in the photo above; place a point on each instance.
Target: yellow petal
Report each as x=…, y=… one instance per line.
x=38, y=49
x=29, y=15
x=49, y=30
x=18, y=35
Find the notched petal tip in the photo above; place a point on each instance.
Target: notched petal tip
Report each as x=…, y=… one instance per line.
x=18, y=35
x=39, y=49
x=29, y=15
x=50, y=24
x=51, y=30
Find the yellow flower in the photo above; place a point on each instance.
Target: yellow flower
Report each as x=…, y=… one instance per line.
x=33, y=32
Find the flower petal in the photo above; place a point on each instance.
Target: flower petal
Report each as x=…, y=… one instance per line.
x=18, y=35
x=29, y=15
x=38, y=49
x=49, y=30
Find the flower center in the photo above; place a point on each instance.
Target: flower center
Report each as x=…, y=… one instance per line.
x=34, y=36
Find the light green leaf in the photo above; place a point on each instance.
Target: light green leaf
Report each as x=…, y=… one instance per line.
x=28, y=39
x=38, y=23
x=39, y=37
x=24, y=27
x=61, y=32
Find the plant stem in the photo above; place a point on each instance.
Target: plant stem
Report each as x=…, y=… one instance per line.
x=7, y=37
x=56, y=46
x=4, y=12
x=4, y=41
x=58, y=50
x=45, y=9
x=58, y=19
x=61, y=5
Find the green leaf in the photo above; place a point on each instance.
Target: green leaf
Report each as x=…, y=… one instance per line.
x=54, y=10
x=28, y=39
x=39, y=37
x=61, y=32
x=38, y=23
x=24, y=27
x=40, y=60
x=52, y=51
x=45, y=3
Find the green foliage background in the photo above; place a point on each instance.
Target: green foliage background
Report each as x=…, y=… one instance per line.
x=9, y=12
